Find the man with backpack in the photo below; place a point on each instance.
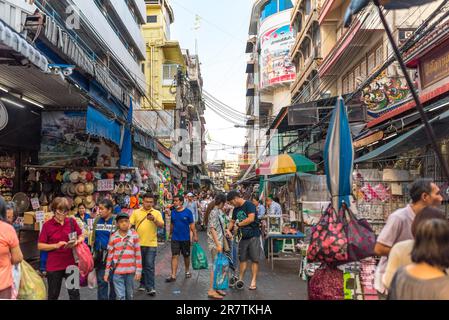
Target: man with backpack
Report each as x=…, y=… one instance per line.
x=103, y=227
x=245, y=219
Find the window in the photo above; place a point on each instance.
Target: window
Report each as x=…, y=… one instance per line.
x=274, y=6
x=371, y=62
x=379, y=55
x=151, y=19
x=169, y=74
x=308, y=7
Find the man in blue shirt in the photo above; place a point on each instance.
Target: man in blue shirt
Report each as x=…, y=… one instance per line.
x=259, y=207
x=182, y=223
x=274, y=208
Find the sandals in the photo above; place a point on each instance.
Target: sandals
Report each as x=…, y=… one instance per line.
x=188, y=275
x=171, y=279
x=222, y=293
x=216, y=296
x=253, y=288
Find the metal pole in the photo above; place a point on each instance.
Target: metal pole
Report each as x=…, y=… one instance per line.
x=419, y=107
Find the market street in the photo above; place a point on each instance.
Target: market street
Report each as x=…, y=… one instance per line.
x=281, y=284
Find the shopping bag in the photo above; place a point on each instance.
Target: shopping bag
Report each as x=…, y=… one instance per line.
x=221, y=272
x=199, y=258
x=32, y=287
x=92, y=280
x=326, y=284
x=16, y=275
x=329, y=240
x=85, y=259
x=361, y=237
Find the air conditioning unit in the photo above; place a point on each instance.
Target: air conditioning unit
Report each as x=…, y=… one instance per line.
x=302, y=116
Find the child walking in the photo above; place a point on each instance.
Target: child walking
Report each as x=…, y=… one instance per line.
x=124, y=259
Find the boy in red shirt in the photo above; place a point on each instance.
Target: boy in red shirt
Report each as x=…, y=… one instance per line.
x=124, y=259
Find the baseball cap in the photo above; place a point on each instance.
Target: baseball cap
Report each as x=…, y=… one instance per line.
x=121, y=215
x=190, y=194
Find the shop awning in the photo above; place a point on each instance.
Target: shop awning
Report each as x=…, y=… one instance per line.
x=145, y=141
x=287, y=177
x=99, y=125
x=165, y=160
x=176, y=173
x=416, y=136
x=286, y=163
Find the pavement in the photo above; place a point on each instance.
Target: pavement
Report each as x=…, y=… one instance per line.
x=281, y=284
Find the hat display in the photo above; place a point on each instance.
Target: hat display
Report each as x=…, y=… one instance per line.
x=89, y=176
x=110, y=175
x=89, y=202
x=135, y=190
x=128, y=177
x=128, y=189
x=80, y=189
x=121, y=188
x=59, y=176
x=74, y=177
x=97, y=175
x=89, y=188
x=122, y=177
x=71, y=191
x=64, y=189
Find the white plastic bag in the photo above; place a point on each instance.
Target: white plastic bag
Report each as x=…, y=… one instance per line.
x=92, y=280
x=16, y=275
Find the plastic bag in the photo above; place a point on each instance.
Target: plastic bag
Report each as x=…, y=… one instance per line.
x=199, y=258
x=92, y=280
x=85, y=259
x=32, y=287
x=221, y=273
x=16, y=275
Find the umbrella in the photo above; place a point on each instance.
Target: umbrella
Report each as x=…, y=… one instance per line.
x=339, y=156
x=286, y=163
x=357, y=5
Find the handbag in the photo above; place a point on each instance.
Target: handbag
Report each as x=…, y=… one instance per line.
x=329, y=242
x=326, y=284
x=361, y=237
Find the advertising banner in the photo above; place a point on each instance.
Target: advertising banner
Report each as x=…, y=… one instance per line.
x=66, y=143
x=276, y=66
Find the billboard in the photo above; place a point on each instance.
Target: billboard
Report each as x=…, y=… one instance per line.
x=276, y=66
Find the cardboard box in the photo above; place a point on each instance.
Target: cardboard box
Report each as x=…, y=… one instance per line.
x=29, y=218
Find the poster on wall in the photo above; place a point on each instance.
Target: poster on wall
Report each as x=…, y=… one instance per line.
x=276, y=65
x=65, y=143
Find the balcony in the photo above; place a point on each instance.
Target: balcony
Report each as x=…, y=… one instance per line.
x=301, y=36
x=250, y=64
x=311, y=64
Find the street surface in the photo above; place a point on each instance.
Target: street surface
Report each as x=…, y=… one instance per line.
x=281, y=284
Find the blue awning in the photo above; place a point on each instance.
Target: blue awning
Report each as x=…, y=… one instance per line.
x=145, y=141
x=99, y=125
x=404, y=143
x=164, y=159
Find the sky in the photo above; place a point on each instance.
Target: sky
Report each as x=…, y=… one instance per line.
x=221, y=46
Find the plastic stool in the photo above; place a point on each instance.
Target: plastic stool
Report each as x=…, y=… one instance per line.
x=288, y=245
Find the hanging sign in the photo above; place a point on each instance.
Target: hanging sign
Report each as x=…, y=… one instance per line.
x=105, y=185
x=35, y=203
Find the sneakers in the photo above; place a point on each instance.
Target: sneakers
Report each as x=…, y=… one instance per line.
x=141, y=288
x=151, y=292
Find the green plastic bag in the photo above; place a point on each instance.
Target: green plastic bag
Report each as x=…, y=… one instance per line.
x=32, y=287
x=199, y=258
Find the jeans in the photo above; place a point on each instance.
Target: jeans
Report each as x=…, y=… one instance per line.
x=54, y=280
x=148, y=266
x=124, y=286
x=105, y=289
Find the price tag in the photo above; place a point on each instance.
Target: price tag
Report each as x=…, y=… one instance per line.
x=40, y=216
x=35, y=203
x=105, y=185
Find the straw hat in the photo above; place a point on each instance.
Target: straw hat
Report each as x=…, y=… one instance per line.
x=78, y=201
x=64, y=188
x=89, y=188
x=121, y=188
x=80, y=189
x=75, y=177
x=66, y=176
x=71, y=191
x=83, y=176
x=128, y=189
x=89, y=202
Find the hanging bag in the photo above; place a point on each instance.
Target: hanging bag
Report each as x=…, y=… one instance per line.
x=326, y=284
x=361, y=237
x=329, y=242
x=221, y=272
x=32, y=287
x=199, y=258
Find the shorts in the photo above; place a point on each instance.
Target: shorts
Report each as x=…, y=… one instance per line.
x=249, y=249
x=180, y=247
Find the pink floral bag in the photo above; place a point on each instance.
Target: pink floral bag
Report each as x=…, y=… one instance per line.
x=329, y=241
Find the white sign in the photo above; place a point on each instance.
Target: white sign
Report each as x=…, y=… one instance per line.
x=105, y=185
x=35, y=203
x=40, y=216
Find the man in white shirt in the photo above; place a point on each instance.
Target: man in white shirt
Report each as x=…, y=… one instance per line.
x=274, y=209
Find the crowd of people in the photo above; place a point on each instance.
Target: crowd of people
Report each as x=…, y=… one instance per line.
x=414, y=244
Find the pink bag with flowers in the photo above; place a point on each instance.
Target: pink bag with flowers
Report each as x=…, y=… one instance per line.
x=329, y=241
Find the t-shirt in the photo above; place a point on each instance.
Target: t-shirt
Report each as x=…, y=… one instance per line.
x=215, y=218
x=406, y=287
x=400, y=256
x=192, y=206
x=260, y=211
x=181, y=221
x=8, y=241
x=240, y=214
x=146, y=229
x=275, y=209
x=53, y=232
x=398, y=228
x=102, y=233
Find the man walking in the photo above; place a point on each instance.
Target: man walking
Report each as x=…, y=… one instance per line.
x=146, y=222
x=244, y=217
x=182, y=224
x=192, y=205
x=424, y=193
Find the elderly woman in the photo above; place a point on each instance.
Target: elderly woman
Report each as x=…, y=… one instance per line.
x=11, y=215
x=58, y=237
x=10, y=253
